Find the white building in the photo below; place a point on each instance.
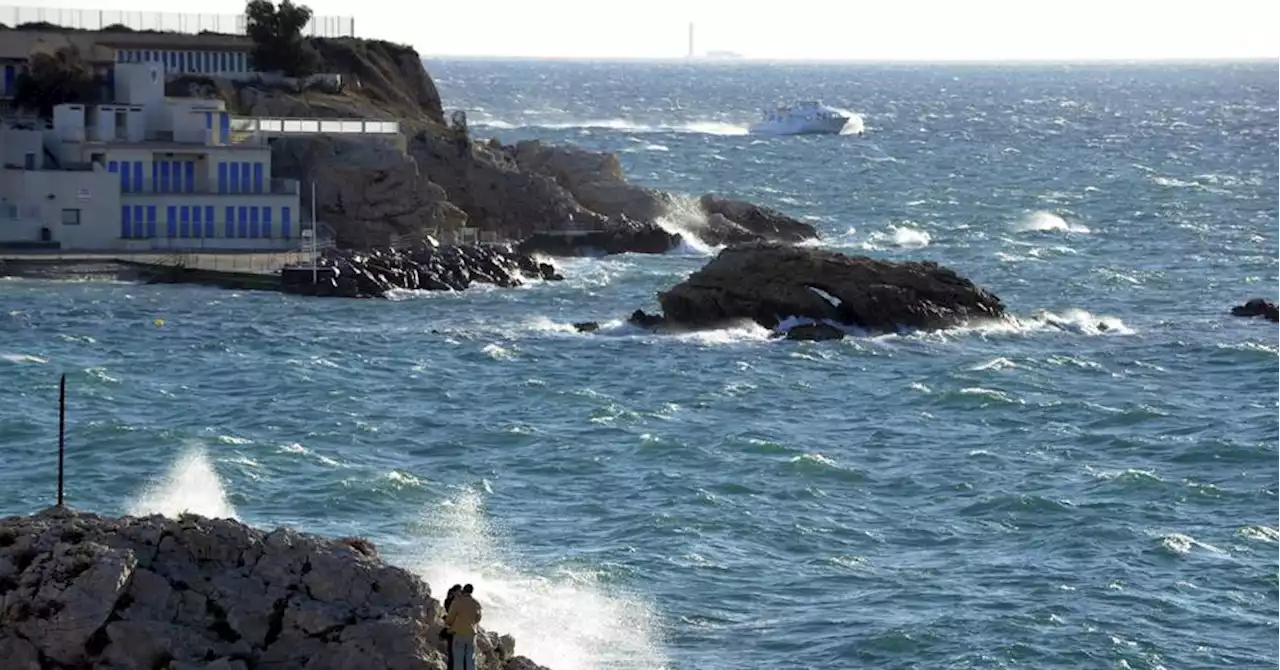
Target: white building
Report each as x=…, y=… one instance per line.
x=146, y=172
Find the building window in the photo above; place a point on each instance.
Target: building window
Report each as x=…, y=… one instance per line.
x=70, y=217
x=29, y=161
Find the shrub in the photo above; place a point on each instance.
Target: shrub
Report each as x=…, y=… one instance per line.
x=276, y=32
x=54, y=79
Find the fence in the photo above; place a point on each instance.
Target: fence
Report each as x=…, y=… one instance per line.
x=96, y=19
x=266, y=125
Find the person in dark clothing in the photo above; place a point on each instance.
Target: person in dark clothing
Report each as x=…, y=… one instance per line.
x=446, y=633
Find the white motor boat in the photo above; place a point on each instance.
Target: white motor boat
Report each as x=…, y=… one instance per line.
x=806, y=118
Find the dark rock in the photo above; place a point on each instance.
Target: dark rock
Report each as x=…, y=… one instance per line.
x=815, y=332
x=734, y=222
x=1258, y=307
x=647, y=321
x=587, y=326
x=620, y=235
x=427, y=267
x=767, y=282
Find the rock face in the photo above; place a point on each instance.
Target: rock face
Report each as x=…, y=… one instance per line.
x=1258, y=307
x=620, y=235
x=769, y=282
x=88, y=592
x=429, y=267
x=735, y=222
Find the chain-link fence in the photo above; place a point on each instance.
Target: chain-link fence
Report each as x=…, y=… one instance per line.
x=97, y=19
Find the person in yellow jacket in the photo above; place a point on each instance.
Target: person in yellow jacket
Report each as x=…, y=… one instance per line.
x=463, y=615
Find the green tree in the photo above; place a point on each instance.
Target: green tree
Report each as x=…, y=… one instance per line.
x=278, y=44
x=54, y=79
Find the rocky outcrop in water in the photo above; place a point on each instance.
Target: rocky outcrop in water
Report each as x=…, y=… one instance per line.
x=768, y=283
x=94, y=593
x=620, y=235
x=1258, y=307
x=428, y=267
x=737, y=222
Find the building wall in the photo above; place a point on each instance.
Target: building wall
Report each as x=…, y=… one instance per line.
x=209, y=220
x=211, y=62
x=21, y=148
x=79, y=209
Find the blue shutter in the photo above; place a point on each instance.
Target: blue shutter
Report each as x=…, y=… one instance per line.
x=137, y=177
x=286, y=221
x=138, y=213
x=224, y=124
x=151, y=221
x=185, y=230
x=10, y=79
x=172, y=213
x=197, y=220
x=235, y=178
x=190, y=169
x=155, y=176
x=222, y=177
x=124, y=176
x=208, y=220
x=113, y=166
x=257, y=178
x=243, y=228
x=245, y=177
x=266, y=222
x=231, y=221
x=253, y=222
x=164, y=176
x=126, y=222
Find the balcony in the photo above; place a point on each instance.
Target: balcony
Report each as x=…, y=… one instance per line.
x=274, y=187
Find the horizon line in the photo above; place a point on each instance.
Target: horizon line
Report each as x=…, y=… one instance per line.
x=869, y=60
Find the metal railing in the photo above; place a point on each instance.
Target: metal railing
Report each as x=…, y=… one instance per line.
x=282, y=126
x=96, y=19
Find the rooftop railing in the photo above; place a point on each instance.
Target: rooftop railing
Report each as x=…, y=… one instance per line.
x=96, y=19
x=282, y=126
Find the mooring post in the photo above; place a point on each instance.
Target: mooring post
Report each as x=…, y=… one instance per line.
x=62, y=431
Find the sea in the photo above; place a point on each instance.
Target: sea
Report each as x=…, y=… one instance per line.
x=1089, y=484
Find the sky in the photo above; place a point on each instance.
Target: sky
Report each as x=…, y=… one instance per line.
x=917, y=30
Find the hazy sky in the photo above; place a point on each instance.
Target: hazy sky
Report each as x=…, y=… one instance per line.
x=800, y=29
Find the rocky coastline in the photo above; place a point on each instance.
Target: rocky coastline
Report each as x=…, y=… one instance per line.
x=427, y=266
x=90, y=592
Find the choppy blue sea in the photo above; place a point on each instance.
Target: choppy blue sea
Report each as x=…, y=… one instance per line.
x=1045, y=494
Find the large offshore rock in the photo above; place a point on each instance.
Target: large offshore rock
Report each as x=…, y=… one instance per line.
x=768, y=282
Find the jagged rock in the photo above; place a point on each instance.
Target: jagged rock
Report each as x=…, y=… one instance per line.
x=97, y=593
x=768, y=282
x=1258, y=307
x=595, y=179
x=642, y=319
x=620, y=235
x=814, y=332
x=586, y=326
x=753, y=222
x=369, y=192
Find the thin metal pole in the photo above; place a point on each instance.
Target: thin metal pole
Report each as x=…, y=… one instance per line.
x=315, y=241
x=62, y=431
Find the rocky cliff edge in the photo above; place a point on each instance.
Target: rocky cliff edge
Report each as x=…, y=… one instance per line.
x=89, y=592
x=437, y=177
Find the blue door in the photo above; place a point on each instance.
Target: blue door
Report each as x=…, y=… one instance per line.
x=266, y=222
x=197, y=221
x=189, y=170
x=164, y=176
x=253, y=222
x=244, y=222
x=222, y=177
x=126, y=222
x=125, y=173
x=138, y=214
x=234, y=186
x=224, y=128
x=286, y=221
x=151, y=221
x=257, y=178
x=172, y=213
x=137, y=177
x=185, y=230
x=10, y=78
x=245, y=176
x=208, y=220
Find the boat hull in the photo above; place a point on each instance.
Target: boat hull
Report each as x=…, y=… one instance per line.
x=805, y=127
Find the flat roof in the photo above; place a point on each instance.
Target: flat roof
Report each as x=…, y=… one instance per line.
x=174, y=41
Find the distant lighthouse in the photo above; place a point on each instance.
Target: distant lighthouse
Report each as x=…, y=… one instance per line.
x=691, y=52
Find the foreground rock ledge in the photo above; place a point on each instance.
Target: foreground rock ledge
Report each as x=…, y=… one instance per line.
x=84, y=591
x=769, y=283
